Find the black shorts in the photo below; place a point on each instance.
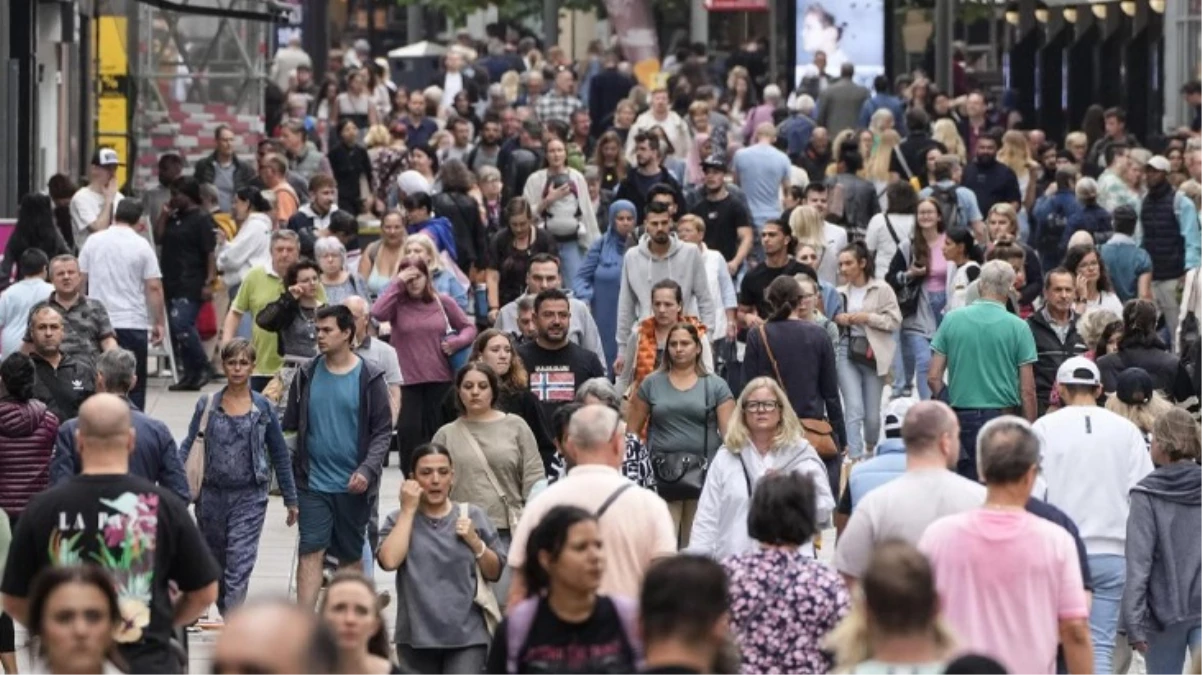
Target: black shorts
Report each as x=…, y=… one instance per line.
x=333, y=522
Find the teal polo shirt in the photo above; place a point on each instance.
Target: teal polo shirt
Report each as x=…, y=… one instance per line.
x=985, y=345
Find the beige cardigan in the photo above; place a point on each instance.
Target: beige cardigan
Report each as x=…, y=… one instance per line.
x=884, y=317
x=512, y=454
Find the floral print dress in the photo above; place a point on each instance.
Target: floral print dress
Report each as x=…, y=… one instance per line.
x=782, y=606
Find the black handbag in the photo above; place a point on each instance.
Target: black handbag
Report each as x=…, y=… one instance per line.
x=681, y=475
x=908, y=291
x=859, y=349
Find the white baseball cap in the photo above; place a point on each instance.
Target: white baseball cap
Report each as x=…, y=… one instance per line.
x=1079, y=370
x=106, y=157
x=895, y=412
x=1159, y=163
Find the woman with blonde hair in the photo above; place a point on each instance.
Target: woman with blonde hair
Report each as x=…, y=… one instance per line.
x=511, y=85
x=1002, y=226
x=763, y=437
x=877, y=168
x=881, y=121
x=421, y=246
x=841, y=139
x=1135, y=398
x=1098, y=328
x=945, y=132
x=1015, y=153
x=1077, y=143
x=894, y=625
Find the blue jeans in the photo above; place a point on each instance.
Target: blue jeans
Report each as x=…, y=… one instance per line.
x=1166, y=648
x=181, y=320
x=1108, y=573
x=570, y=260
x=136, y=341
x=938, y=300
x=861, y=388
x=971, y=421
x=915, y=357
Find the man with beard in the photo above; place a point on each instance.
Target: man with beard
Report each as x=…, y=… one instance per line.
x=63, y=382
x=990, y=180
x=727, y=221
x=87, y=329
x=189, y=268
x=556, y=365
x=314, y=216
x=817, y=155
x=779, y=246
x=420, y=127
x=488, y=149
x=648, y=172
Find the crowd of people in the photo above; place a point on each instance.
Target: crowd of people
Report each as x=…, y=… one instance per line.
x=569, y=303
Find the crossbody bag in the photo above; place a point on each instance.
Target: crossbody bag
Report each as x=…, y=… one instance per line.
x=818, y=432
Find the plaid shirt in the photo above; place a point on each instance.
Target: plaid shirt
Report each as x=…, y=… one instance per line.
x=556, y=106
x=85, y=324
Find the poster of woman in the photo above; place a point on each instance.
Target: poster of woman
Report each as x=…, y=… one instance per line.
x=833, y=32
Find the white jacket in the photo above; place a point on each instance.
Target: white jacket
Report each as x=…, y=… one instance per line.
x=573, y=213
x=720, y=524
x=250, y=248
x=674, y=126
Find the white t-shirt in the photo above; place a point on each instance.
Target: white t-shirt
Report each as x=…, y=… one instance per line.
x=835, y=239
x=1091, y=459
x=878, y=239
x=855, y=304
x=85, y=209
x=118, y=262
x=902, y=509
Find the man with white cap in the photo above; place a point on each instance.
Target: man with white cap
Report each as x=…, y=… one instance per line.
x=888, y=461
x=93, y=205
x=1171, y=237
x=1091, y=460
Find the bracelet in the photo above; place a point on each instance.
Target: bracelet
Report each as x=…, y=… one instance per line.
x=483, y=550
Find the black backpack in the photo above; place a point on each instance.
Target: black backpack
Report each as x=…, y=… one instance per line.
x=1052, y=231
x=949, y=206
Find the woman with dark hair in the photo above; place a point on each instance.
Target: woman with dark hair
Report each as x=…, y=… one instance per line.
x=352, y=170
x=35, y=228
x=1093, y=124
x=74, y=616
x=420, y=217
x=684, y=408
x=869, y=317
x=424, y=160
x=509, y=254
x=463, y=108
x=599, y=279
x=798, y=354
x=1094, y=289
x=888, y=229
x=1101, y=330
x=351, y=610
x=564, y=625
x=894, y=625
x=439, y=627
x=495, y=451
x=559, y=195
x=381, y=258
x=356, y=103
x=1164, y=540
x=783, y=603
x=920, y=262
x=27, y=434
x=463, y=211
x=1141, y=347
x=427, y=328
x=964, y=262
x=250, y=247
x=62, y=189
x=293, y=316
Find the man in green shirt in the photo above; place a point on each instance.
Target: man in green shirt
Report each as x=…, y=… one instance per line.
x=260, y=287
x=989, y=355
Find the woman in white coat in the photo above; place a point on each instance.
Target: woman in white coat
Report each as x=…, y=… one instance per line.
x=559, y=195
x=250, y=248
x=764, y=437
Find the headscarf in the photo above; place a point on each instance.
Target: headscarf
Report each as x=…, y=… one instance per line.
x=411, y=182
x=613, y=246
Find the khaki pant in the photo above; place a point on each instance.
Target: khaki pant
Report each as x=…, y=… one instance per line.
x=682, y=516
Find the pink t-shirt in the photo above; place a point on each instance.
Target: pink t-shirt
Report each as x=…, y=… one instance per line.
x=936, y=280
x=1006, y=579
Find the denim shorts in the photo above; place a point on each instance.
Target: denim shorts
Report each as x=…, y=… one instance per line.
x=333, y=522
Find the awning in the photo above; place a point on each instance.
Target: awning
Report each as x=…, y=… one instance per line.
x=272, y=12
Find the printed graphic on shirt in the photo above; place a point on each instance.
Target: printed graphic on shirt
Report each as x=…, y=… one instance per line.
x=607, y=657
x=125, y=548
x=553, y=384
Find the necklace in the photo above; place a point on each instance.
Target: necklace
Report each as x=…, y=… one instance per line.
x=438, y=521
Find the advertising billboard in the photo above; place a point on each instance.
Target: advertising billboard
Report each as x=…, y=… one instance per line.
x=845, y=31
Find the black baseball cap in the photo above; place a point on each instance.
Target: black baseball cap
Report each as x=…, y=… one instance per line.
x=1135, y=386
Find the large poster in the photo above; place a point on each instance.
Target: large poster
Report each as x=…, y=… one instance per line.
x=845, y=31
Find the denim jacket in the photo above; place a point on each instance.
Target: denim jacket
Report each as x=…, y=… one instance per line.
x=268, y=437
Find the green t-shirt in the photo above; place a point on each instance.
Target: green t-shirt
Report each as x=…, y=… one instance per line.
x=985, y=345
x=261, y=287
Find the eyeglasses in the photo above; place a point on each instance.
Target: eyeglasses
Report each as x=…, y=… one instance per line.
x=761, y=406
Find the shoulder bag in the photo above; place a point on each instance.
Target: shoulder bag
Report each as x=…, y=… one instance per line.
x=818, y=432
x=195, y=467
x=681, y=475
x=459, y=358
x=859, y=349
x=513, y=512
x=909, y=292
x=485, y=598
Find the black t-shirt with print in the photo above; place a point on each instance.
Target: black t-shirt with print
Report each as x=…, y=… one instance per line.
x=596, y=645
x=723, y=218
x=555, y=375
x=141, y=533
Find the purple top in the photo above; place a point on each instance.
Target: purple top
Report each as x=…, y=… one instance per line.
x=418, y=331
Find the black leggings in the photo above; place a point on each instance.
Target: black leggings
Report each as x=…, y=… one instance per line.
x=421, y=416
x=8, y=632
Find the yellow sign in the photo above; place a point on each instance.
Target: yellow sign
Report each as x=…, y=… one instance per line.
x=112, y=104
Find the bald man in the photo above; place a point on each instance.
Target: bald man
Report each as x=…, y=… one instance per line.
x=926, y=492
x=141, y=533
x=299, y=642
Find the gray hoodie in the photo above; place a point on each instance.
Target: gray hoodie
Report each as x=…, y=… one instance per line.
x=1164, y=551
x=641, y=270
